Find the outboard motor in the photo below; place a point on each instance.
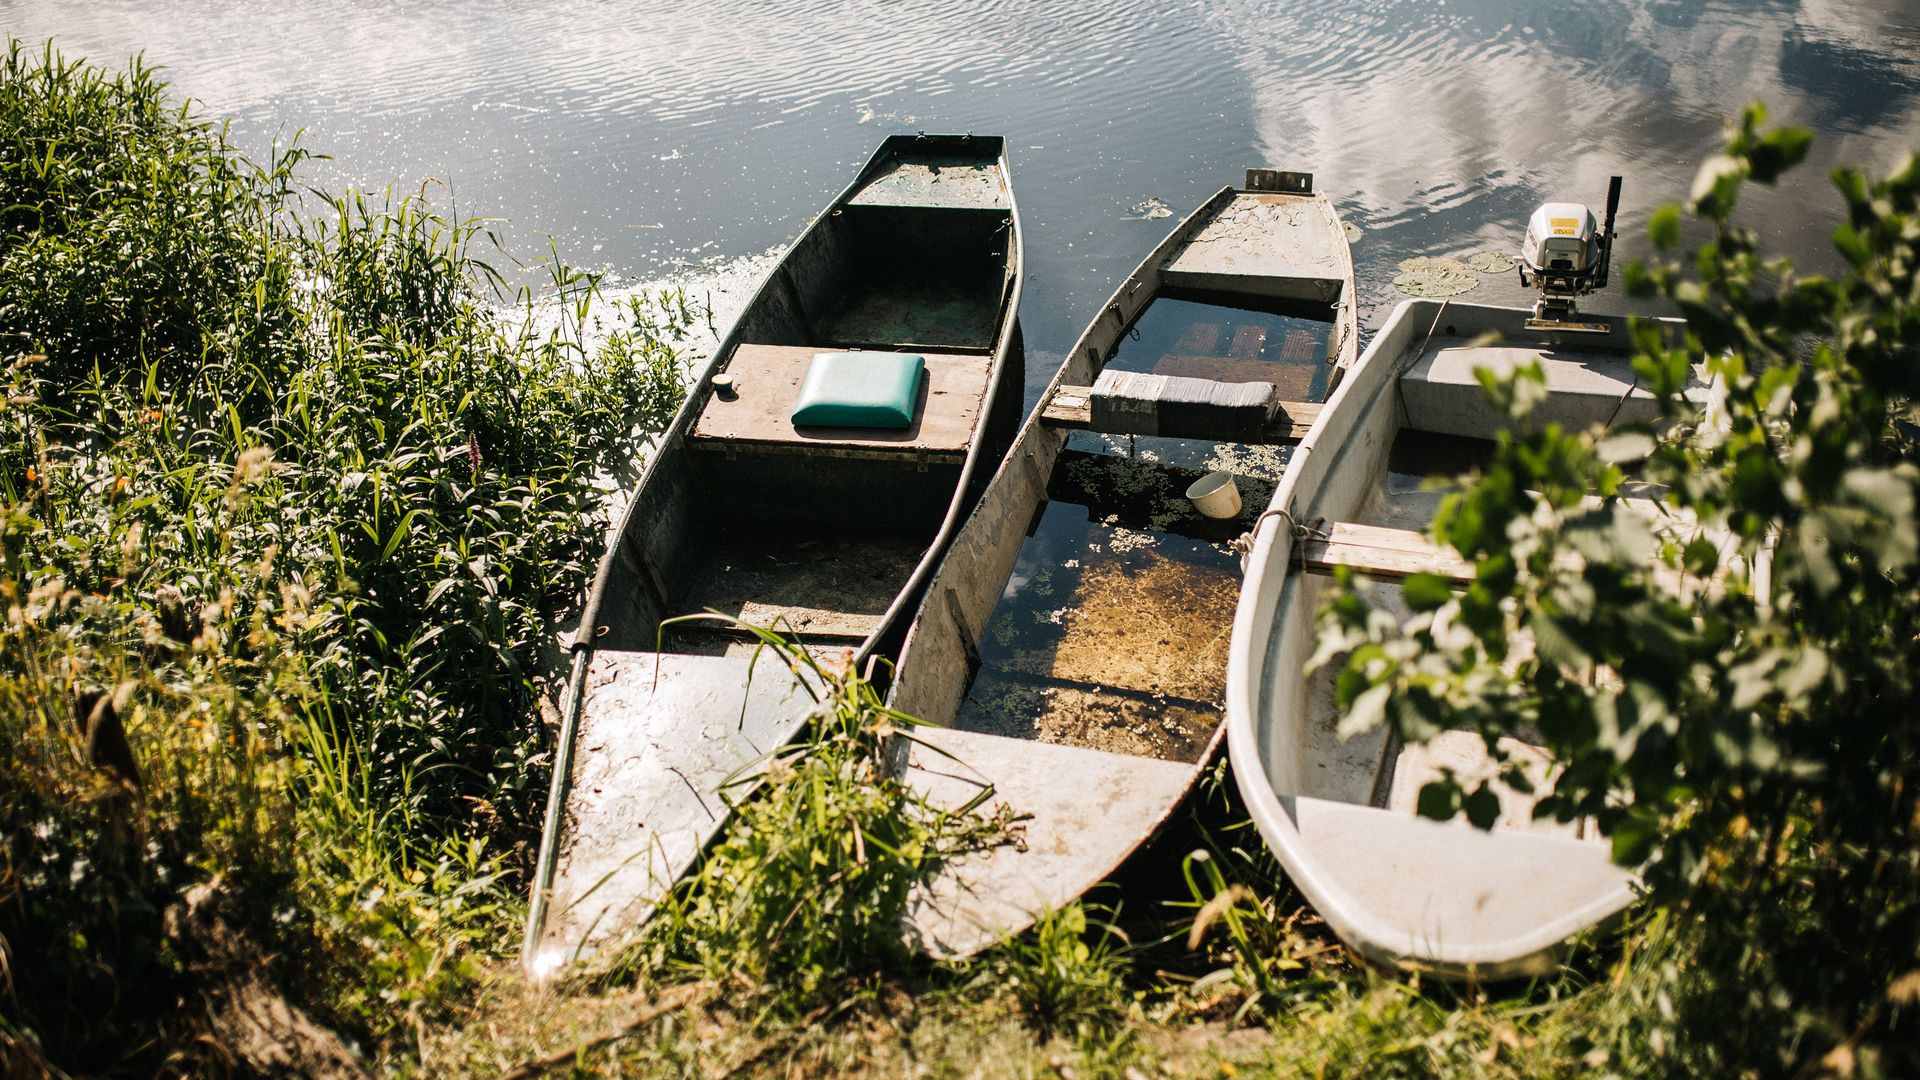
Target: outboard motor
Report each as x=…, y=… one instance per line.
x=1567, y=255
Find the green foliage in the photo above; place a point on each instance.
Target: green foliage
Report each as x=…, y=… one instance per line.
x=1729, y=683
x=1068, y=973
x=92, y=856
x=292, y=481
x=808, y=887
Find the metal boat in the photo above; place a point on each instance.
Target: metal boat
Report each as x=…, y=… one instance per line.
x=1070, y=652
x=828, y=533
x=1404, y=891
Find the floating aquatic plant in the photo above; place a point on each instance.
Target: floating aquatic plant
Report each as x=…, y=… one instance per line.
x=1434, y=278
x=1151, y=208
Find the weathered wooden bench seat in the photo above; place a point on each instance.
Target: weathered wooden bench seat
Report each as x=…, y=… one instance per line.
x=1071, y=407
x=767, y=380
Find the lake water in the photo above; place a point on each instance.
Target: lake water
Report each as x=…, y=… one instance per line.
x=648, y=137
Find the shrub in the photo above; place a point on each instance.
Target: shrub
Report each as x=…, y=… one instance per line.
x=1751, y=746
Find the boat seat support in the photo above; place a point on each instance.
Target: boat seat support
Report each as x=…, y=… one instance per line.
x=1381, y=553
x=1071, y=407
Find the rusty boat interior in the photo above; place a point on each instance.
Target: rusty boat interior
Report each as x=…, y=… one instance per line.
x=744, y=516
x=1072, y=647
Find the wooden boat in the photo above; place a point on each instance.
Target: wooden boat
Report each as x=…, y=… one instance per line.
x=827, y=532
x=1402, y=890
x=1072, y=647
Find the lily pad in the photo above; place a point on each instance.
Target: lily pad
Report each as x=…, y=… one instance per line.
x=1434, y=278
x=1353, y=231
x=1428, y=262
x=1490, y=262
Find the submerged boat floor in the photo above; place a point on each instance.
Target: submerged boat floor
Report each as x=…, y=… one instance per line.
x=1113, y=631
x=818, y=584
x=1371, y=768
x=927, y=311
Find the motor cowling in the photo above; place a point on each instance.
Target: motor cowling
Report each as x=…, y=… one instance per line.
x=1565, y=256
x=1563, y=242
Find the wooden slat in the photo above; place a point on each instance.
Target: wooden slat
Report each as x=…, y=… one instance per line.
x=1248, y=341
x=1388, y=554
x=769, y=377
x=797, y=620
x=1290, y=380
x=1072, y=407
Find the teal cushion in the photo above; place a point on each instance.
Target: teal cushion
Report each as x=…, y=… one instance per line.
x=860, y=389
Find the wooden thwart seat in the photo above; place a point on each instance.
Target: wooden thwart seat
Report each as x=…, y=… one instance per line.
x=1071, y=407
x=768, y=378
x=1387, y=554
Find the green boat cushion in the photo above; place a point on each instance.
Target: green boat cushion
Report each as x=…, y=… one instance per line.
x=860, y=389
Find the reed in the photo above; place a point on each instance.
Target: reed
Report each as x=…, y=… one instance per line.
x=299, y=487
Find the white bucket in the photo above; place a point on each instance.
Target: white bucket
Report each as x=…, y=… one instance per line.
x=1216, y=495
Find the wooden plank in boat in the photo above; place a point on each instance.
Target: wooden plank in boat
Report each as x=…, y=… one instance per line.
x=950, y=181
x=1293, y=381
x=1086, y=811
x=811, y=622
x=768, y=379
x=1390, y=554
x=1072, y=407
x=1247, y=343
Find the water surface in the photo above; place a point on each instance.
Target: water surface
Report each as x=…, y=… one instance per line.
x=647, y=136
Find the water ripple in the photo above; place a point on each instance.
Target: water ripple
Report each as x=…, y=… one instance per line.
x=640, y=133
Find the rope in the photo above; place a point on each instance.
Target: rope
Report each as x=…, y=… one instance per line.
x=1242, y=545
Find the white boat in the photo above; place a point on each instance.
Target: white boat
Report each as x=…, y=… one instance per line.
x=1404, y=891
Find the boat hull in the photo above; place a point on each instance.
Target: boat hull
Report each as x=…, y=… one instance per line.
x=1095, y=776
x=826, y=534
x=1406, y=892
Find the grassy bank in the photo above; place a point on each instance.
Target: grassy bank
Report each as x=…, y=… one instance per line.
x=294, y=497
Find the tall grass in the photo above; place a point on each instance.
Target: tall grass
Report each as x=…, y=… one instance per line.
x=808, y=888
x=293, y=482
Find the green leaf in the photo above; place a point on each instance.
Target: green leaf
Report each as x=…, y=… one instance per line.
x=1664, y=226
x=1624, y=446
x=1777, y=151
x=1368, y=710
x=1634, y=837
x=1558, y=647
x=1716, y=184
x=1426, y=592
